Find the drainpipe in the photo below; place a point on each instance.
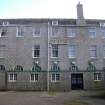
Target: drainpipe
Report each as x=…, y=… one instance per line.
x=48, y=58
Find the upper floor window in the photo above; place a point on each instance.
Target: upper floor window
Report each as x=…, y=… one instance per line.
x=93, y=51
x=36, y=31
x=71, y=32
x=97, y=76
x=20, y=32
x=92, y=33
x=2, y=51
x=55, y=31
x=54, y=50
x=104, y=51
x=12, y=77
x=72, y=51
x=2, y=67
x=3, y=32
x=103, y=32
x=36, y=51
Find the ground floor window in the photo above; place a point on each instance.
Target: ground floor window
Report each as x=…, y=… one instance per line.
x=34, y=77
x=12, y=77
x=97, y=76
x=55, y=77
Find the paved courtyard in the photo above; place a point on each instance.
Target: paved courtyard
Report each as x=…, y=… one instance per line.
x=52, y=98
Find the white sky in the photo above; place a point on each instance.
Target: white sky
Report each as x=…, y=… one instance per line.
x=93, y=9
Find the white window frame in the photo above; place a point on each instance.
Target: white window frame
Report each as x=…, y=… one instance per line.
x=92, y=30
x=52, y=51
x=71, y=32
x=13, y=80
x=19, y=29
x=35, y=80
x=72, y=56
x=55, y=77
x=95, y=51
x=33, y=49
x=97, y=76
x=34, y=30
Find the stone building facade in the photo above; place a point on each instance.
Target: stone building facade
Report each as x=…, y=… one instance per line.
x=52, y=54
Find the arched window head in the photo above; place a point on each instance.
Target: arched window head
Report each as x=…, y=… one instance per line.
x=36, y=67
x=91, y=66
x=55, y=67
x=2, y=67
x=18, y=68
x=73, y=66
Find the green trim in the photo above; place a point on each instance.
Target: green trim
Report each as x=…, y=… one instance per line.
x=55, y=68
x=73, y=67
x=45, y=71
x=91, y=67
x=36, y=68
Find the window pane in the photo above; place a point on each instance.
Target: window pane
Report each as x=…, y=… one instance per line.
x=71, y=32
x=93, y=51
x=55, y=31
x=54, y=50
x=15, y=76
x=72, y=51
x=103, y=32
x=36, y=31
x=104, y=51
x=3, y=32
x=92, y=33
x=53, y=77
x=36, y=77
x=57, y=77
x=97, y=76
x=2, y=51
x=19, y=31
x=36, y=51
x=11, y=76
x=32, y=77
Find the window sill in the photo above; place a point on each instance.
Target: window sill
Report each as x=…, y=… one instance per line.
x=93, y=57
x=97, y=80
x=36, y=36
x=72, y=57
x=55, y=81
x=19, y=36
x=54, y=57
x=3, y=36
x=35, y=57
x=71, y=36
x=12, y=81
x=33, y=81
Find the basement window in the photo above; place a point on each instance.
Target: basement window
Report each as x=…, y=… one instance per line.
x=97, y=76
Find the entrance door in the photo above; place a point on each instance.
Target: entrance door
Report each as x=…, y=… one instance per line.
x=77, y=81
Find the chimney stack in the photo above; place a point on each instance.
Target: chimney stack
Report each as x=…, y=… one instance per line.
x=80, y=11
x=80, y=17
